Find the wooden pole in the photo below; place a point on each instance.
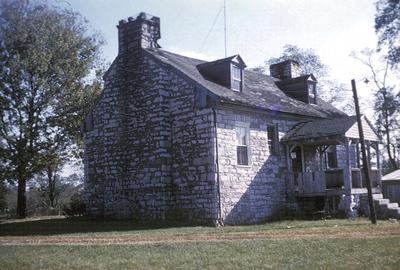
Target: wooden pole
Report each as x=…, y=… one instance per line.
x=364, y=154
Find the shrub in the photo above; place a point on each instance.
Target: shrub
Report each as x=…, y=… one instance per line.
x=76, y=207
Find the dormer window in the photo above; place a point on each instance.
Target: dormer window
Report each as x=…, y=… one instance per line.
x=312, y=93
x=227, y=72
x=236, y=78
x=303, y=88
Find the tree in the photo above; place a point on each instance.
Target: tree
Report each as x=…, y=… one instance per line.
x=329, y=90
x=309, y=61
x=386, y=104
x=48, y=57
x=3, y=192
x=387, y=26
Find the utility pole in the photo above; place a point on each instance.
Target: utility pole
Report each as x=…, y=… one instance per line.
x=364, y=155
x=225, y=25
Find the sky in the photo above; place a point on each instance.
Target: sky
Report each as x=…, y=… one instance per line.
x=256, y=29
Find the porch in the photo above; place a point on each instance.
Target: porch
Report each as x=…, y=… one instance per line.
x=323, y=158
x=330, y=182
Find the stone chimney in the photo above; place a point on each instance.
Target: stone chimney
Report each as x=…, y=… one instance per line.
x=142, y=32
x=285, y=70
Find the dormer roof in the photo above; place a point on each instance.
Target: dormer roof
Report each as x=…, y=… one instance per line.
x=231, y=59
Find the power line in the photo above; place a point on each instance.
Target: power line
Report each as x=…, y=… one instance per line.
x=225, y=26
x=212, y=27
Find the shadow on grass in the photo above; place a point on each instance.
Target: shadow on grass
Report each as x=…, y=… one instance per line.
x=54, y=226
x=58, y=226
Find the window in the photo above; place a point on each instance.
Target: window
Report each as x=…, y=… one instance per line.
x=242, y=145
x=331, y=158
x=312, y=95
x=236, y=78
x=272, y=133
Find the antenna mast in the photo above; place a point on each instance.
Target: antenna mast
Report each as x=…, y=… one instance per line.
x=225, y=25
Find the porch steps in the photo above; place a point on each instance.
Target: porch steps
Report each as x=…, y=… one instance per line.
x=384, y=208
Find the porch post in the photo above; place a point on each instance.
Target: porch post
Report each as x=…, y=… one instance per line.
x=348, y=198
x=378, y=158
x=378, y=163
x=288, y=159
x=358, y=154
x=320, y=158
x=303, y=166
x=347, y=168
x=368, y=151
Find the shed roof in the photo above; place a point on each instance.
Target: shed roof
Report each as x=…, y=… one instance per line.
x=260, y=90
x=329, y=127
x=392, y=176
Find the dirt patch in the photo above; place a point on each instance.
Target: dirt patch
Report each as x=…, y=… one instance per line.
x=131, y=239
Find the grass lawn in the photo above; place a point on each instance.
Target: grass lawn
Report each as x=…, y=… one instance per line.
x=331, y=244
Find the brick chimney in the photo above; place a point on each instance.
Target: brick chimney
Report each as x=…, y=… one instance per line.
x=142, y=32
x=285, y=70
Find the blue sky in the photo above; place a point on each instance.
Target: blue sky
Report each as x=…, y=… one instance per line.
x=256, y=29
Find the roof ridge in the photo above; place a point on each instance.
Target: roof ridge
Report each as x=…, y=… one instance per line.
x=181, y=55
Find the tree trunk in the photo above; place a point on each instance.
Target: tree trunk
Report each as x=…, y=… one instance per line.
x=392, y=159
x=52, y=186
x=21, y=200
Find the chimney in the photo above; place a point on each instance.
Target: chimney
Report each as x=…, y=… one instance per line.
x=285, y=70
x=142, y=32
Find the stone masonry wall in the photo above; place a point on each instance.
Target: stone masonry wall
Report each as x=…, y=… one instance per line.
x=254, y=193
x=150, y=153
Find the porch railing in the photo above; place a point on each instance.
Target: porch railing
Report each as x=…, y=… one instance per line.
x=321, y=181
x=358, y=178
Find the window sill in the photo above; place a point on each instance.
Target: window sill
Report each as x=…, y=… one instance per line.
x=244, y=166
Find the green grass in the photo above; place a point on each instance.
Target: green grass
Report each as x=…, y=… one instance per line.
x=382, y=253
x=345, y=252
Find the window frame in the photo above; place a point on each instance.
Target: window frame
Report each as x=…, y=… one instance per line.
x=246, y=128
x=331, y=152
x=312, y=93
x=236, y=79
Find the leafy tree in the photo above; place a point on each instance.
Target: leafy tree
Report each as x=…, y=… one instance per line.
x=386, y=103
x=387, y=26
x=48, y=59
x=309, y=61
x=329, y=90
x=258, y=69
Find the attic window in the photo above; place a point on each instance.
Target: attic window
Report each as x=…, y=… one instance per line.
x=236, y=78
x=312, y=93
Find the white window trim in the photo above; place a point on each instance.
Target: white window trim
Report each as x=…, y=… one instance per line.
x=236, y=79
x=247, y=128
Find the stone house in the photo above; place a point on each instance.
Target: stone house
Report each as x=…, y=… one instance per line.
x=176, y=139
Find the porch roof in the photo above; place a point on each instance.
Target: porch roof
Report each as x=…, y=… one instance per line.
x=327, y=129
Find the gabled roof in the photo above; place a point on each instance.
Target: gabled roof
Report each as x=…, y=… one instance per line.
x=234, y=58
x=346, y=126
x=309, y=77
x=260, y=90
x=392, y=176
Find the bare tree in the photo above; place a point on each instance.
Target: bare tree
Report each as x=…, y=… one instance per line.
x=386, y=103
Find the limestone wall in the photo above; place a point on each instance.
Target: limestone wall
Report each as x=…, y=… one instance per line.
x=257, y=192
x=150, y=155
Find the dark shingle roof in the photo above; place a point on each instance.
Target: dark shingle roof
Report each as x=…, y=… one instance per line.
x=320, y=128
x=260, y=90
